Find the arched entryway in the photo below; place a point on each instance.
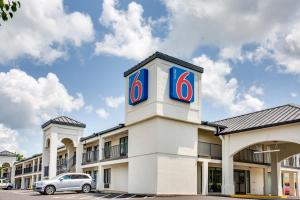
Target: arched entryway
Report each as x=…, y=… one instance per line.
x=264, y=173
x=61, y=146
x=66, y=157
x=280, y=142
x=6, y=170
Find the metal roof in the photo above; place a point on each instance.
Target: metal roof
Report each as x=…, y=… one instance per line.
x=280, y=115
x=103, y=132
x=7, y=153
x=63, y=120
x=166, y=58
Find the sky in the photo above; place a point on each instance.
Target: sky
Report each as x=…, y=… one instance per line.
x=68, y=57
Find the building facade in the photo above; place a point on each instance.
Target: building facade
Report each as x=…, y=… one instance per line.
x=165, y=148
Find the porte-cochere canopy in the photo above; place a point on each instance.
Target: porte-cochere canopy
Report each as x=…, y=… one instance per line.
x=277, y=127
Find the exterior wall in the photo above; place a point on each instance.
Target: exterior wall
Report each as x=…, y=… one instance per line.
x=159, y=102
x=257, y=181
x=161, y=146
x=7, y=159
x=119, y=177
x=208, y=137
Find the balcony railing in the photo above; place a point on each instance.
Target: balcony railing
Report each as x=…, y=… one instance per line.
x=27, y=170
x=209, y=150
x=64, y=165
x=90, y=157
x=115, y=152
x=18, y=172
x=248, y=156
x=290, y=163
x=46, y=171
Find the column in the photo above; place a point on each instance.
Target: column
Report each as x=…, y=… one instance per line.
x=79, y=151
x=100, y=185
x=38, y=164
x=204, y=177
x=292, y=184
x=297, y=183
x=22, y=183
x=100, y=148
x=276, y=188
x=12, y=174
x=53, y=155
x=227, y=167
x=2, y=170
x=266, y=182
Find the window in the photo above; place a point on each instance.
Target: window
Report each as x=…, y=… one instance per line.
x=107, y=146
x=123, y=146
x=107, y=177
x=66, y=177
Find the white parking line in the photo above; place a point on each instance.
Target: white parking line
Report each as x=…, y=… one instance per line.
x=117, y=196
x=103, y=196
x=131, y=196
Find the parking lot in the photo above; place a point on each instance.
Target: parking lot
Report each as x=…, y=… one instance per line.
x=30, y=195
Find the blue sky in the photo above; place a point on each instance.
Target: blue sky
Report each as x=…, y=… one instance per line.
x=249, y=52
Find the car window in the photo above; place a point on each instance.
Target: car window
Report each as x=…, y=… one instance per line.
x=84, y=177
x=66, y=177
x=5, y=181
x=75, y=176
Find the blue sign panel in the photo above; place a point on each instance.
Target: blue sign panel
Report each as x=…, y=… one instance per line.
x=138, y=87
x=181, y=85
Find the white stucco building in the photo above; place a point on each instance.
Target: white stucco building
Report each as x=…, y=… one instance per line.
x=164, y=147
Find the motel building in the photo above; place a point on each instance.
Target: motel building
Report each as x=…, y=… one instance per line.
x=165, y=148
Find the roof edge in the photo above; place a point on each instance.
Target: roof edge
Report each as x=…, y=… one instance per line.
x=165, y=57
x=261, y=127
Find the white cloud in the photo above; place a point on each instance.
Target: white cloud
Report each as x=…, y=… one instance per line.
x=89, y=108
x=131, y=35
x=102, y=113
x=226, y=24
x=8, y=139
x=223, y=91
x=26, y=101
x=42, y=30
x=255, y=90
x=114, y=102
x=294, y=94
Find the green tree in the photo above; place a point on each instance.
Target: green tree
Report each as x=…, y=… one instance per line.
x=7, y=8
x=19, y=156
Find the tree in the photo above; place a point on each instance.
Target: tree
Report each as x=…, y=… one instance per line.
x=19, y=156
x=7, y=8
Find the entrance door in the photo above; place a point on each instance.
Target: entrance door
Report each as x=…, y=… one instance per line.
x=214, y=179
x=242, y=181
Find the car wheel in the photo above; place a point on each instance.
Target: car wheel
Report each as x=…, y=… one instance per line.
x=50, y=190
x=9, y=187
x=86, y=188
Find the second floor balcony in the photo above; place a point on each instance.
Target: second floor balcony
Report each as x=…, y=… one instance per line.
x=214, y=151
x=18, y=172
x=115, y=152
x=209, y=150
x=27, y=170
x=90, y=157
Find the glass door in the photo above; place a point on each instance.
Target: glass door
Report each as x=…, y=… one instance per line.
x=242, y=181
x=214, y=179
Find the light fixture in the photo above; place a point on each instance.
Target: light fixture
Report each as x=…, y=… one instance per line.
x=267, y=151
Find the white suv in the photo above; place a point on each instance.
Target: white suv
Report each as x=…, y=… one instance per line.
x=5, y=184
x=78, y=182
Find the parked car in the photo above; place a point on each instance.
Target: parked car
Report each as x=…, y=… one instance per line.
x=78, y=182
x=5, y=184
